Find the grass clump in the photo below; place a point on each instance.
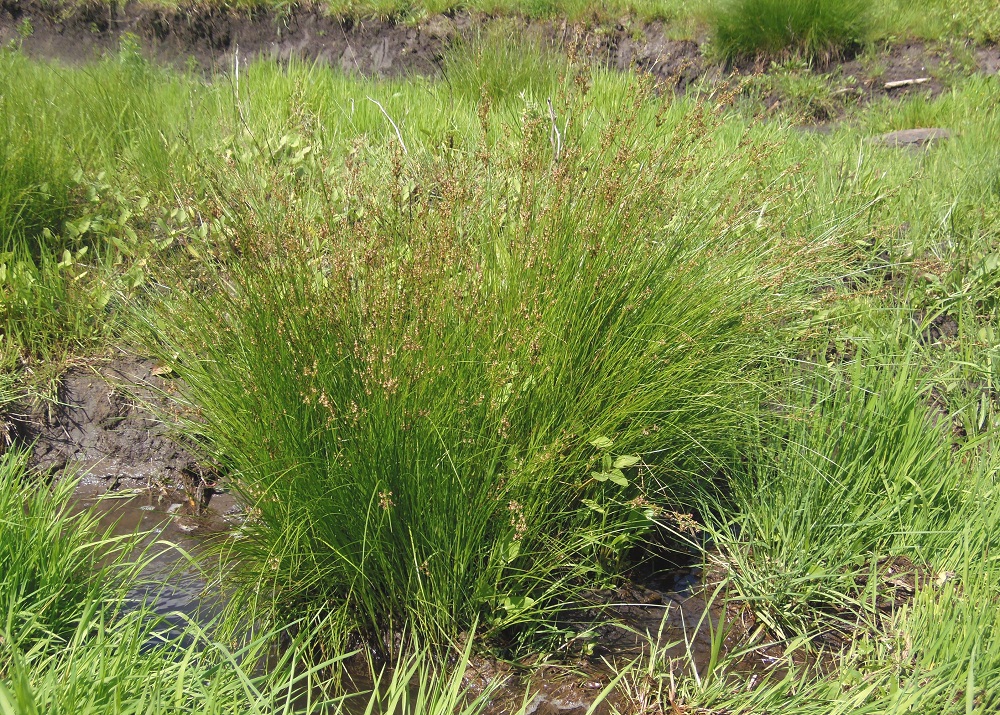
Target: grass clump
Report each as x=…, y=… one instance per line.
x=814, y=29
x=460, y=394
x=864, y=543
x=52, y=562
x=861, y=472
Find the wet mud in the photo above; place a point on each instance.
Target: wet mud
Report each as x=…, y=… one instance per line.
x=213, y=37
x=101, y=420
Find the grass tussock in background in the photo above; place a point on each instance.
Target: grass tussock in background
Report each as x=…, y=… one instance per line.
x=774, y=29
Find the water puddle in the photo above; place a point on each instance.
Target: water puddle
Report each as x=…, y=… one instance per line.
x=176, y=532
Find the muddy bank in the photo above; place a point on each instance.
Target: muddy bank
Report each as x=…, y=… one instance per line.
x=213, y=37
x=99, y=421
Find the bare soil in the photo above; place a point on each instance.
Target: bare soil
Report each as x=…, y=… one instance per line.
x=101, y=423
x=211, y=38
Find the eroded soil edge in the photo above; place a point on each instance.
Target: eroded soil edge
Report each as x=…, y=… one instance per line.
x=101, y=422
x=213, y=37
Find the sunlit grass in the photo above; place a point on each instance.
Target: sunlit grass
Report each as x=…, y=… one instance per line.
x=73, y=639
x=779, y=28
x=53, y=563
x=339, y=269
x=476, y=376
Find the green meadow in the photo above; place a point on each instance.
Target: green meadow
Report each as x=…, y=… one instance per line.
x=473, y=348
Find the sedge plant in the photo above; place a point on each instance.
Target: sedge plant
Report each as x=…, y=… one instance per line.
x=459, y=392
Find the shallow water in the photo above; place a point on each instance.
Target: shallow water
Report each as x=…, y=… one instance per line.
x=174, y=586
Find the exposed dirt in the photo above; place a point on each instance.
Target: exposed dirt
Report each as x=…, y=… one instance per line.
x=97, y=423
x=943, y=327
x=988, y=59
x=213, y=37
x=902, y=63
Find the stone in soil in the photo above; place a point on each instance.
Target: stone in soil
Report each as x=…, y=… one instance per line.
x=988, y=59
x=913, y=138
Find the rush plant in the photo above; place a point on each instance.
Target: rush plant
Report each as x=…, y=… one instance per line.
x=460, y=391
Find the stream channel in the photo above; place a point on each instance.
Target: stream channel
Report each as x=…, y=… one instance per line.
x=176, y=588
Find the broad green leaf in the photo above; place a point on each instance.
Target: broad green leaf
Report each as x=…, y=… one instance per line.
x=626, y=461
x=517, y=603
x=616, y=476
x=601, y=443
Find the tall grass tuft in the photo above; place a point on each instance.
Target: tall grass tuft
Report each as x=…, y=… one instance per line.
x=860, y=472
x=460, y=392
x=815, y=29
x=52, y=561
